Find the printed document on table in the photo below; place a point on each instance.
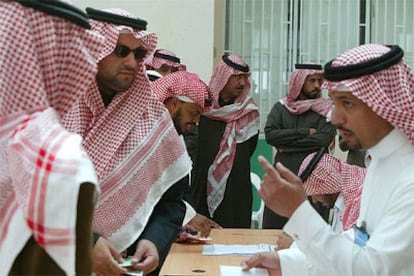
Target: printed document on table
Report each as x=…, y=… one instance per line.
x=227, y=270
x=236, y=249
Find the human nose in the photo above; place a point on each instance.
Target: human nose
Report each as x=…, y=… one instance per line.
x=130, y=60
x=317, y=84
x=242, y=81
x=336, y=116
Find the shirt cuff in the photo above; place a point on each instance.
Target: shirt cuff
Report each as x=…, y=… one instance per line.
x=292, y=262
x=304, y=224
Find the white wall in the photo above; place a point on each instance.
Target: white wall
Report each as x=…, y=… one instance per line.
x=185, y=27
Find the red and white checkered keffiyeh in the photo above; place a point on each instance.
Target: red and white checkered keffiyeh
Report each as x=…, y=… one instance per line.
x=332, y=175
x=296, y=82
x=181, y=83
x=153, y=62
x=46, y=64
x=242, y=118
x=133, y=144
x=389, y=92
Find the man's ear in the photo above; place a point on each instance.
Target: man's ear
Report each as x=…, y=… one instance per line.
x=171, y=104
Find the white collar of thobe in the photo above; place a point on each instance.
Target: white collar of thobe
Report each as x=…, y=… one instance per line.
x=386, y=146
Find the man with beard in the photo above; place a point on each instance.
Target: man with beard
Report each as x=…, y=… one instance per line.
x=297, y=126
x=140, y=161
x=355, y=155
x=227, y=138
x=186, y=96
x=372, y=90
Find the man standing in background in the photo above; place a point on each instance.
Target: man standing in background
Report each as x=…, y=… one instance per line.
x=228, y=135
x=297, y=126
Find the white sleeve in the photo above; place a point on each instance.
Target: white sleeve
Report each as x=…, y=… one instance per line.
x=292, y=262
x=388, y=251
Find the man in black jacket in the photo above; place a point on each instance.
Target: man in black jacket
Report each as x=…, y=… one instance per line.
x=297, y=126
x=139, y=158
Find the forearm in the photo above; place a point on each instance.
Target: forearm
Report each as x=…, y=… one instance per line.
x=293, y=262
x=283, y=137
x=166, y=220
x=323, y=137
x=314, y=242
x=385, y=253
x=276, y=131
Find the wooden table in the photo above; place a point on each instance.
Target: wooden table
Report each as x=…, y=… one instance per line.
x=187, y=259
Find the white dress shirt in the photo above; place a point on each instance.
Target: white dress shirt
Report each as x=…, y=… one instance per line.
x=338, y=211
x=387, y=208
x=292, y=260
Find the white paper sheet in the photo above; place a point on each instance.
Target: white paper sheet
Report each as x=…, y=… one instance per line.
x=236, y=249
x=226, y=270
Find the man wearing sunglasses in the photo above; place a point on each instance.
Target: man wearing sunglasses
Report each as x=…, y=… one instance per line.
x=138, y=155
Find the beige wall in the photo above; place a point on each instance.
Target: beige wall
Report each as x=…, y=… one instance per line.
x=185, y=27
x=219, y=29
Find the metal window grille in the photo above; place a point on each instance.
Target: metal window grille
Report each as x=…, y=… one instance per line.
x=273, y=35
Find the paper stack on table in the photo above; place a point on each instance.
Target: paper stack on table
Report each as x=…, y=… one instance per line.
x=236, y=249
x=226, y=270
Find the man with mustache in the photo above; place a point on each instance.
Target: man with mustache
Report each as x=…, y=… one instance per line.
x=186, y=96
x=355, y=155
x=372, y=90
x=297, y=126
x=227, y=138
x=140, y=161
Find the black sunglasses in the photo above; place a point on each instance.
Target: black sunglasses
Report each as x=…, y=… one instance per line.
x=123, y=51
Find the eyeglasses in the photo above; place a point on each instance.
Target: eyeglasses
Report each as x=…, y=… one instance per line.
x=123, y=51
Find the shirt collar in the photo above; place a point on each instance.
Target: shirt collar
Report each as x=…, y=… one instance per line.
x=387, y=145
x=340, y=203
